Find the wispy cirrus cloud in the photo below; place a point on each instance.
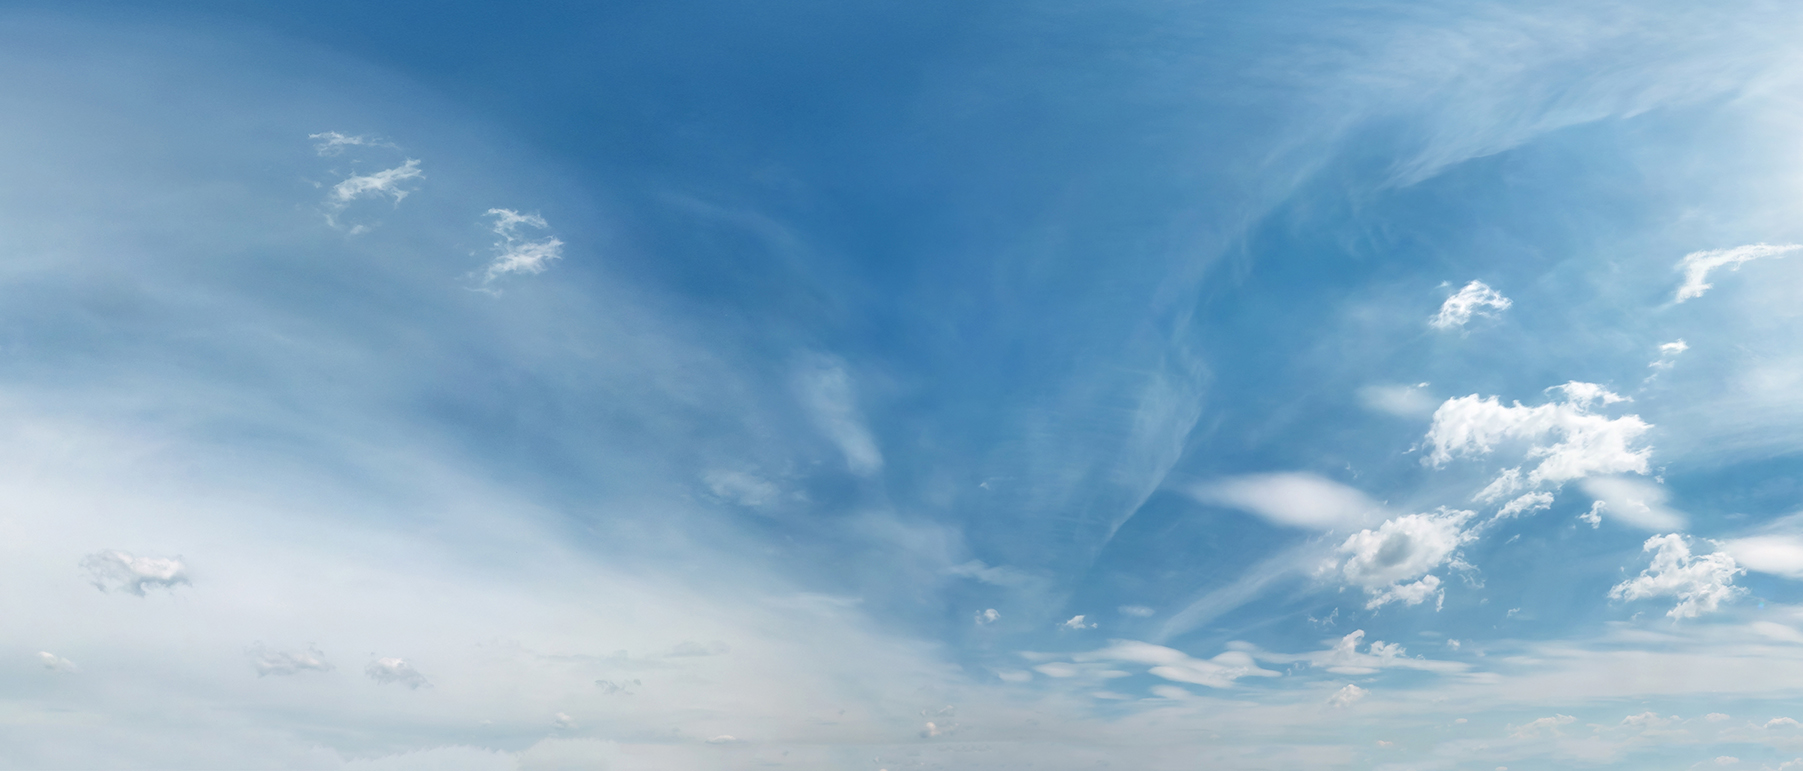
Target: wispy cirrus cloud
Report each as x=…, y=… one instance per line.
x=515, y=252
x=1698, y=265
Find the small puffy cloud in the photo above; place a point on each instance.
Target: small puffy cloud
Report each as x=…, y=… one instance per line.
x=1139, y=611
x=1391, y=562
x=562, y=722
x=393, y=670
x=1175, y=665
x=1697, y=265
x=57, y=663
x=1780, y=555
x=1294, y=499
x=1077, y=622
x=987, y=617
x=330, y=143
x=1569, y=440
x=1524, y=504
x=1636, y=502
x=1594, y=517
x=1668, y=354
x=515, y=253
x=268, y=662
x=1400, y=400
x=1780, y=722
x=115, y=570
x=741, y=488
x=931, y=730
x=1476, y=298
x=1700, y=583
x=826, y=390
x=1546, y=725
x=1345, y=697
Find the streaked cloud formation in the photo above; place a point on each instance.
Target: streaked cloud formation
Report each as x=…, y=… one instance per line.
x=1698, y=265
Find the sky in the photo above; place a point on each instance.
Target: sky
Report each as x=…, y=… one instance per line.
x=698, y=386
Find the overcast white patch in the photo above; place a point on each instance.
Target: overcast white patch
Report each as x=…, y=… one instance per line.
x=393, y=670
x=1294, y=499
x=57, y=663
x=1636, y=502
x=121, y=571
x=1477, y=298
x=1697, y=265
x=268, y=662
x=515, y=253
x=1700, y=583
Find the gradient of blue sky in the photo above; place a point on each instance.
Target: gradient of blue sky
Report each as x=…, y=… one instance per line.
x=900, y=386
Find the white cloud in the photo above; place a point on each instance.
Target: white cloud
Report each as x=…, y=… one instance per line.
x=268, y=662
x=1781, y=722
x=1668, y=354
x=1526, y=503
x=1636, y=502
x=1473, y=299
x=392, y=670
x=515, y=253
x=1345, y=658
x=1400, y=400
x=1715, y=717
x=826, y=390
x=563, y=722
x=384, y=183
x=1294, y=499
x=1345, y=697
x=728, y=739
x=1077, y=622
x=1140, y=611
x=1697, y=265
x=741, y=488
x=1014, y=676
x=115, y=570
x=57, y=663
x=1594, y=517
x=1780, y=555
x=1533, y=729
x=989, y=616
x=1400, y=550
x=1726, y=760
x=1700, y=583
x=333, y=143
x=1175, y=665
x=998, y=575
x=1570, y=440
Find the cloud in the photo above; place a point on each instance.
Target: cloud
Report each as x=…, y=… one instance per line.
x=1139, y=611
x=1345, y=658
x=1077, y=622
x=115, y=570
x=1403, y=549
x=1697, y=265
x=1400, y=400
x=1594, y=517
x=333, y=143
x=1780, y=722
x=515, y=253
x=1473, y=299
x=1668, y=354
x=826, y=390
x=1636, y=502
x=1293, y=499
x=384, y=183
x=57, y=663
x=611, y=687
x=562, y=722
x=1700, y=583
x=999, y=575
x=1715, y=717
x=1780, y=555
x=730, y=739
x=1570, y=440
x=393, y=670
x=1533, y=729
x=1177, y=666
x=741, y=488
x=270, y=662
x=692, y=649
x=1345, y=697
x=989, y=616
x=1526, y=503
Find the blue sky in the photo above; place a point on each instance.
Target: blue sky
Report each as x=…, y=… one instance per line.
x=900, y=386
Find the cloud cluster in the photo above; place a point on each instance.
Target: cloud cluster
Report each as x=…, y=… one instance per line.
x=393, y=670
x=1391, y=563
x=115, y=570
x=1699, y=582
x=1474, y=299
x=1697, y=265
x=515, y=253
x=1568, y=439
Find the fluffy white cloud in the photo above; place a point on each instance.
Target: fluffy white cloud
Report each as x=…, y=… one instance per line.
x=1636, y=502
x=989, y=616
x=1077, y=622
x=1401, y=550
x=1569, y=439
x=1294, y=499
x=1780, y=555
x=1175, y=665
x=1549, y=725
x=270, y=662
x=115, y=570
x=1697, y=265
x=1473, y=299
x=1345, y=658
x=1345, y=697
x=1668, y=354
x=515, y=253
x=56, y=663
x=1700, y=583
x=392, y=670
x=1781, y=722
x=1526, y=503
